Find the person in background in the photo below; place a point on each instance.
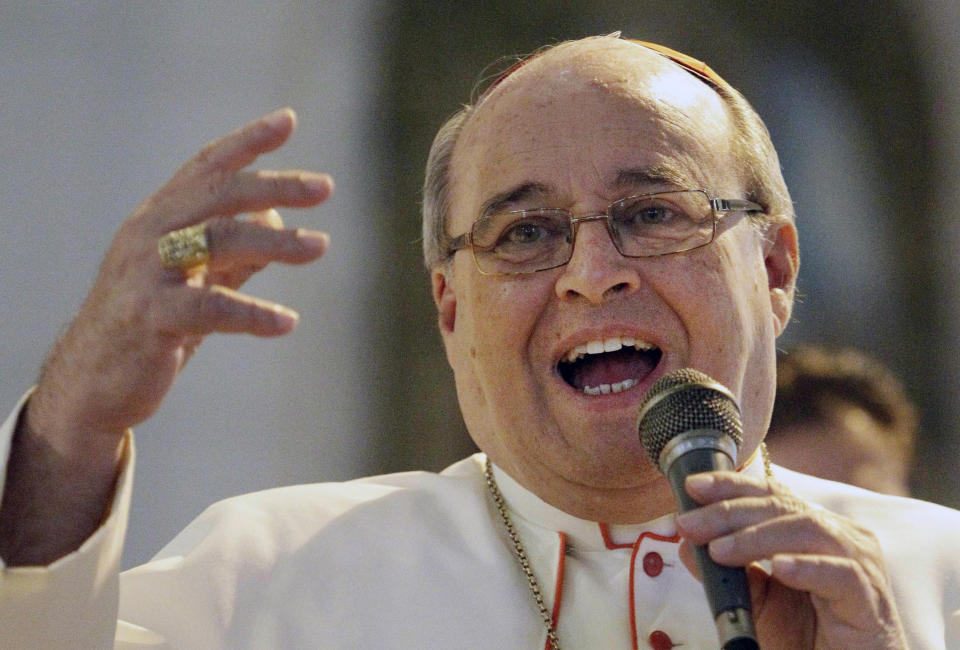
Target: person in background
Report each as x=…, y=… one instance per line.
x=843, y=416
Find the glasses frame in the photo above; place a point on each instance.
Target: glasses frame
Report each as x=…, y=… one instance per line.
x=720, y=208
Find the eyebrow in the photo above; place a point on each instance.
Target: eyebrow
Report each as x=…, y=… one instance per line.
x=644, y=177
x=524, y=192
x=625, y=179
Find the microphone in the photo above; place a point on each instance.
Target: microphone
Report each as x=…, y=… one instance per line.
x=689, y=424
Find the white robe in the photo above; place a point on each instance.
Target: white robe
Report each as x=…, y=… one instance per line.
x=421, y=560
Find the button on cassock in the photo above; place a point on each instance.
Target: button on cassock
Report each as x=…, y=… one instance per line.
x=660, y=640
x=652, y=564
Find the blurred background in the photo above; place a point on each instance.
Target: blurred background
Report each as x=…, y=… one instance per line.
x=100, y=102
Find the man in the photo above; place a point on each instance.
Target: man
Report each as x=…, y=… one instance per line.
x=843, y=416
x=555, y=329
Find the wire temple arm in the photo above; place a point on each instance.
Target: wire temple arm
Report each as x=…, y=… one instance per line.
x=732, y=205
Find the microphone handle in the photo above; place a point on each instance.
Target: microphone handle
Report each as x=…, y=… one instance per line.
x=726, y=587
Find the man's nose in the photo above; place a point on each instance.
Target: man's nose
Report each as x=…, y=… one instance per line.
x=596, y=270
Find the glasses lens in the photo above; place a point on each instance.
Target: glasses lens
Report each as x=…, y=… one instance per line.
x=658, y=224
x=522, y=241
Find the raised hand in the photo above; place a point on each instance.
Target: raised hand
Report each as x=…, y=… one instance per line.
x=142, y=320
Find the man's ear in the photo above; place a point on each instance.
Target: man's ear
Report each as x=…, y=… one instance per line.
x=782, y=259
x=444, y=298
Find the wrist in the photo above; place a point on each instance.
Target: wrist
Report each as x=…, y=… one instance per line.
x=68, y=441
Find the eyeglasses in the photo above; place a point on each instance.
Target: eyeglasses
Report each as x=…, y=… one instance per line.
x=645, y=225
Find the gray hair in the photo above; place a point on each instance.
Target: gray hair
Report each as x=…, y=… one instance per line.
x=436, y=188
x=760, y=170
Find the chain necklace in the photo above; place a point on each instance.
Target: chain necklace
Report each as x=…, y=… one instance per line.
x=765, y=455
x=521, y=554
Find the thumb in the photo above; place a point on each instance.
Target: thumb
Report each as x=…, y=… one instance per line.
x=686, y=556
x=759, y=581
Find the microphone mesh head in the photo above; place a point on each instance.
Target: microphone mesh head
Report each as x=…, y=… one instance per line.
x=684, y=400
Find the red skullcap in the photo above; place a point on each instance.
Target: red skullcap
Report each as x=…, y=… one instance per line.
x=692, y=65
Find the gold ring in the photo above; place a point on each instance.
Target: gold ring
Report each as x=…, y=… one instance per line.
x=184, y=248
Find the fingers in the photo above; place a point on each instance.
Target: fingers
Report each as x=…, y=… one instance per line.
x=722, y=518
x=252, y=243
x=239, y=249
x=240, y=147
x=731, y=501
x=234, y=275
x=686, y=556
x=745, y=519
x=756, y=574
x=259, y=190
x=826, y=573
x=710, y=487
x=207, y=301
x=141, y=319
x=801, y=534
x=214, y=182
x=749, y=519
x=201, y=310
x=269, y=218
x=246, y=191
x=832, y=578
x=851, y=593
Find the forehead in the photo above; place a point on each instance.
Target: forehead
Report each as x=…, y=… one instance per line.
x=584, y=116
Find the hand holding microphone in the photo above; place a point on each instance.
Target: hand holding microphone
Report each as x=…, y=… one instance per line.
x=827, y=586
x=690, y=424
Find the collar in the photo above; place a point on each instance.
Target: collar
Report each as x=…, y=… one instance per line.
x=583, y=534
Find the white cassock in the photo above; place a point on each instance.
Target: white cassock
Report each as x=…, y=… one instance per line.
x=422, y=561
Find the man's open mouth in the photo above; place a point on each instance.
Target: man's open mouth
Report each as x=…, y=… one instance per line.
x=612, y=365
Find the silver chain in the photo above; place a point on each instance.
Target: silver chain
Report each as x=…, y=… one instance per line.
x=521, y=554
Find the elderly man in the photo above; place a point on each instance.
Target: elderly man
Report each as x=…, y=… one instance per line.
x=606, y=213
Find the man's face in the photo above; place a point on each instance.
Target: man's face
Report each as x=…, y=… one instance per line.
x=578, y=128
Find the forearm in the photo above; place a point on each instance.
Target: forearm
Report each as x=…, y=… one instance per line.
x=57, y=488
x=71, y=603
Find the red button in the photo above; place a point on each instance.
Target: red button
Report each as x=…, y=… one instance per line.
x=652, y=564
x=660, y=641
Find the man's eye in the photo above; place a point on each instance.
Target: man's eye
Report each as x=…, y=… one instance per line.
x=649, y=215
x=523, y=233
x=532, y=230
x=653, y=215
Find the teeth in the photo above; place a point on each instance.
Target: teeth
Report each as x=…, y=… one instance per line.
x=611, y=344
x=606, y=389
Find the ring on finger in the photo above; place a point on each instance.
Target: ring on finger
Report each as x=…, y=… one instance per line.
x=185, y=248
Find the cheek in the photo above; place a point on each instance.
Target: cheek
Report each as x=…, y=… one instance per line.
x=721, y=298
x=754, y=368
x=496, y=320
